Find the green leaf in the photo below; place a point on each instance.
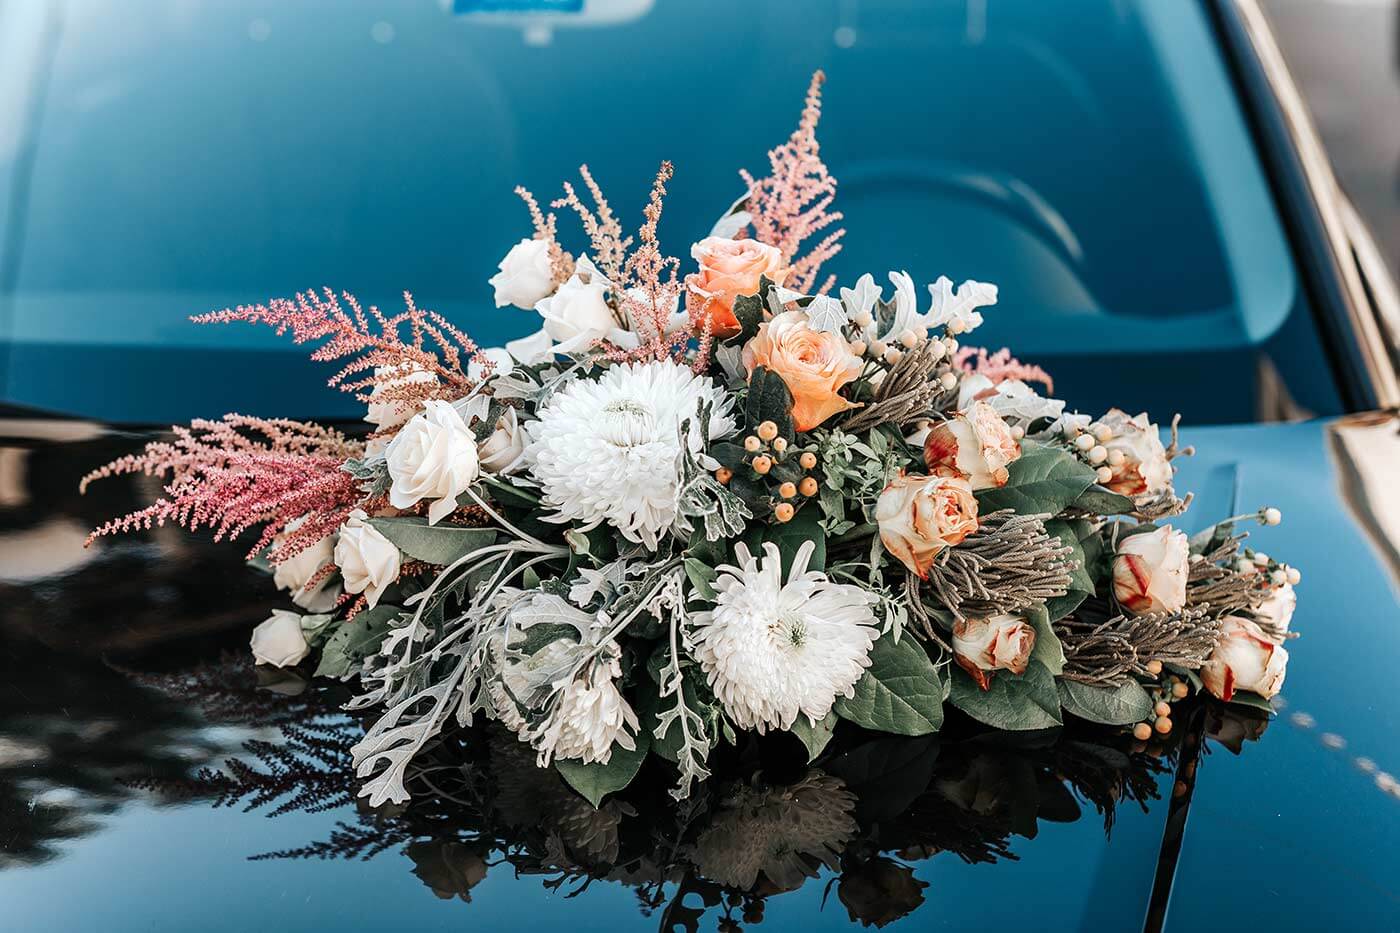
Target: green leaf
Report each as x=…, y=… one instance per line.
x=900, y=692
x=702, y=577
x=433, y=544
x=1112, y=706
x=1016, y=703
x=353, y=641
x=596, y=780
x=1047, y=650
x=1101, y=501
x=748, y=309
x=769, y=400
x=1252, y=700
x=789, y=537
x=1045, y=480
x=814, y=735
x=1073, y=534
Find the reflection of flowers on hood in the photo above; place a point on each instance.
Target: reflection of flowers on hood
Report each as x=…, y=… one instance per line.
x=783, y=833
x=530, y=797
x=773, y=650
x=449, y=869
x=879, y=891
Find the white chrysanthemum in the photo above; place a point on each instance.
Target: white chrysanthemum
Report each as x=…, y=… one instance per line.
x=589, y=716
x=781, y=832
x=772, y=651
x=609, y=449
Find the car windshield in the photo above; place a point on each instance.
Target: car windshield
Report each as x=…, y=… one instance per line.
x=169, y=159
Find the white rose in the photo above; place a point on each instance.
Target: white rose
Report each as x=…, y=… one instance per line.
x=1277, y=610
x=279, y=640
x=577, y=315
x=921, y=515
x=1144, y=470
x=502, y=451
x=1244, y=659
x=432, y=457
x=998, y=643
x=294, y=573
x=368, y=561
x=1150, y=570
x=526, y=275
x=1013, y=399
x=976, y=445
x=532, y=348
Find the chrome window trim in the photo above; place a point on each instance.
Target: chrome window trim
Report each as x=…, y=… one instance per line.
x=1331, y=206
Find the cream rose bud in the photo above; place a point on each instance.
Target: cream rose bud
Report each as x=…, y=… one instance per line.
x=998, y=643
x=432, y=457
x=921, y=515
x=368, y=561
x=526, y=275
x=1150, y=570
x=279, y=640
x=1276, y=612
x=578, y=315
x=504, y=448
x=1244, y=659
x=976, y=445
x=1144, y=470
x=295, y=572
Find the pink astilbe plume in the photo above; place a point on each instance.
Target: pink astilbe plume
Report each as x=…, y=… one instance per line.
x=241, y=472
x=648, y=291
x=1000, y=366
x=561, y=264
x=604, y=232
x=791, y=204
x=376, y=357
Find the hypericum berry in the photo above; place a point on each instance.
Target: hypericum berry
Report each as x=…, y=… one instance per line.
x=857, y=348
x=1142, y=732
x=762, y=464
x=1272, y=516
x=1102, y=433
x=779, y=444
x=1084, y=442
x=752, y=444
x=948, y=381
x=1154, y=667
x=808, y=460
x=1116, y=457
x=787, y=490
x=1163, y=724
x=1098, y=454
x=1103, y=474
x=1261, y=559
x=1295, y=576
x=767, y=431
x=878, y=347
x=938, y=350
x=808, y=486
x=1179, y=690
x=724, y=474
x=783, y=511
x=909, y=338
x=893, y=355
x=1162, y=708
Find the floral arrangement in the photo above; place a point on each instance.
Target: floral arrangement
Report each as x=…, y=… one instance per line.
x=737, y=499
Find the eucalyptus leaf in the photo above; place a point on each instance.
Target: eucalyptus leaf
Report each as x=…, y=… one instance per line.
x=814, y=736
x=1112, y=706
x=1043, y=481
x=702, y=577
x=433, y=544
x=1029, y=701
x=597, y=779
x=901, y=692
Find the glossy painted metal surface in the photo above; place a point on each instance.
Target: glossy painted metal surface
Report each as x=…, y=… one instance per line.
x=87, y=635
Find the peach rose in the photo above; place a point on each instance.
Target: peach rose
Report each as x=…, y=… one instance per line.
x=728, y=269
x=976, y=445
x=1000, y=643
x=1244, y=659
x=1136, y=456
x=921, y=515
x=814, y=365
